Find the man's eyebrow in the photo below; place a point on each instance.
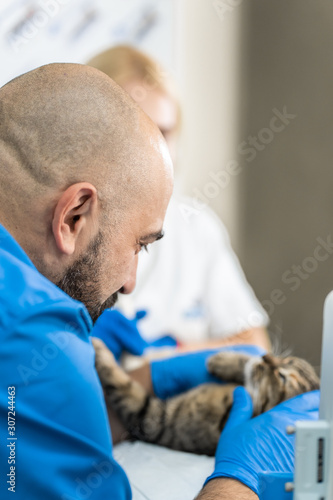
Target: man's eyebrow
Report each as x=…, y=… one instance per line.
x=152, y=237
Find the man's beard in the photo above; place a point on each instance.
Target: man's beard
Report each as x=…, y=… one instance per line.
x=82, y=280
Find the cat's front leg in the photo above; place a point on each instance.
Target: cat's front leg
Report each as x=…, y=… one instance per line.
x=109, y=372
x=140, y=413
x=228, y=366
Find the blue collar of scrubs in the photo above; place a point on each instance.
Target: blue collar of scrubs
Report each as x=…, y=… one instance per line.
x=9, y=245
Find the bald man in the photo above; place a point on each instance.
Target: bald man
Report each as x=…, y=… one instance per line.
x=85, y=179
x=84, y=174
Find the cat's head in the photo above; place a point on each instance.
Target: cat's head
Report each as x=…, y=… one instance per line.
x=273, y=379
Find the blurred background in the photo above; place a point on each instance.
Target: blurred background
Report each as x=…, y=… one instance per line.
x=255, y=80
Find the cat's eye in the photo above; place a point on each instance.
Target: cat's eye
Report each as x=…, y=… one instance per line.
x=282, y=377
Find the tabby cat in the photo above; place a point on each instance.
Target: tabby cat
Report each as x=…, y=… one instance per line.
x=193, y=421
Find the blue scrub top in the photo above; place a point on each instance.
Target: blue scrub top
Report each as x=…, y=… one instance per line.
x=55, y=441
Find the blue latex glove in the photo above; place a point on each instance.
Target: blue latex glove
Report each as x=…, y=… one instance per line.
x=180, y=373
x=248, y=447
x=166, y=341
x=272, y=485
x=121, y=334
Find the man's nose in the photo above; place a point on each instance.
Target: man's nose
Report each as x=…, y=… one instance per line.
x=129, y=285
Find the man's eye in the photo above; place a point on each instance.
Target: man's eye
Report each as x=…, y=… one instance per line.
x=145, y=248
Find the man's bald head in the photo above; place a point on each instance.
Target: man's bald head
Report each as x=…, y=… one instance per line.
x=80, y=163
x=66, y=123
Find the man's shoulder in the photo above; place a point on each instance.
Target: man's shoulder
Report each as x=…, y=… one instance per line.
x=23, y=289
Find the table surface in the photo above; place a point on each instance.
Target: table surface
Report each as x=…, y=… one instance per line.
x=157, y=473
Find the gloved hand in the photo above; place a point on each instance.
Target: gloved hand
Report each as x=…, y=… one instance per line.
x=248, y=446
x=272, y=485
x=180, y=373
x=165, y=341
x=121, y=334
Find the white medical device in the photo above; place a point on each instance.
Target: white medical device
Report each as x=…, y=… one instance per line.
x=313, y=479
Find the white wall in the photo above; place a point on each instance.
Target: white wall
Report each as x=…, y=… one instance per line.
x=37, y=32
x=207, y=66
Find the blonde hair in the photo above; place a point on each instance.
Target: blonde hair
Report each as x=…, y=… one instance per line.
x=124, y=64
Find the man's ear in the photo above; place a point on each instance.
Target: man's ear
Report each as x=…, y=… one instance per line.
x=75, y=217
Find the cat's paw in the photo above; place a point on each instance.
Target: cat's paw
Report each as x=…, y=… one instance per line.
x=228, y=366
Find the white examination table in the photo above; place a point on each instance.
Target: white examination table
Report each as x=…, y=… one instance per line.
x=157, y=473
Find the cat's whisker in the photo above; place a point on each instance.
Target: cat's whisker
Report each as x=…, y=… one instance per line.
x=287, y=352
